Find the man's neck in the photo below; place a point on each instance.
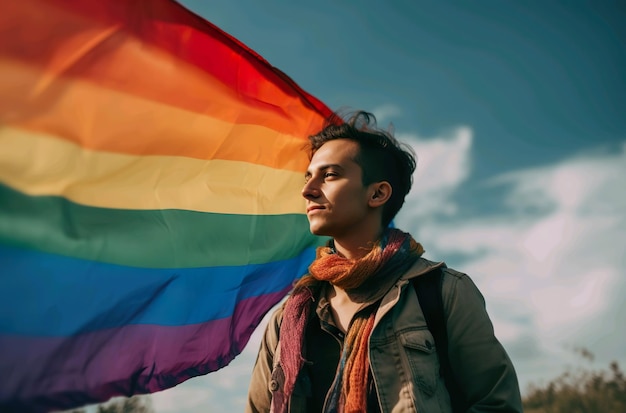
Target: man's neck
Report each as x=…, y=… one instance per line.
x=342, y=307
x=357, y=245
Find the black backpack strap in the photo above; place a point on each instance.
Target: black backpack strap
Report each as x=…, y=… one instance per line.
x=428, y=288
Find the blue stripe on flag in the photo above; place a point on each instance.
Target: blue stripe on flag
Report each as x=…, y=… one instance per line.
x=51, y=295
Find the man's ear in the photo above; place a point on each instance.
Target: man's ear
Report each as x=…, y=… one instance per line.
x=380, y=194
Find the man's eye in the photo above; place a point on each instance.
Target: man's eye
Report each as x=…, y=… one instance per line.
x=329, y=174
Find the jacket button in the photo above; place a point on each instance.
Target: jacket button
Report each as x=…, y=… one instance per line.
x=428, y=345
x=273, y=385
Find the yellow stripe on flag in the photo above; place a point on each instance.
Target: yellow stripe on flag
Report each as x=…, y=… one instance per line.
x=112, y=180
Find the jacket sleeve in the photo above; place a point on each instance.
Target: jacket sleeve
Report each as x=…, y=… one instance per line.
x=259, y=394
x=480, y=364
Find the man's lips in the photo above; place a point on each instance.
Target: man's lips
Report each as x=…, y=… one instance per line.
x=313, y=208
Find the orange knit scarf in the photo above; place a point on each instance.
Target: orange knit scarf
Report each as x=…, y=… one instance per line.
x=382, y=266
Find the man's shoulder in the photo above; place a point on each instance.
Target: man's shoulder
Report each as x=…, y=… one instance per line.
x=454, y=273
x=276, y=316
x=420, y=267
x=424, y=266
x=451, y=278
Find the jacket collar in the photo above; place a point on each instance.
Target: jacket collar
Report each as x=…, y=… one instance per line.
x=422, y=266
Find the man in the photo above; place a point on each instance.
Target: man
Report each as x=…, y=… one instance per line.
x=352, y=336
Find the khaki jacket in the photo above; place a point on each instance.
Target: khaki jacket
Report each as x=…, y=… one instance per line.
x=403, y=358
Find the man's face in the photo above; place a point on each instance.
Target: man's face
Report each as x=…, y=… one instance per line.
x=336, y=199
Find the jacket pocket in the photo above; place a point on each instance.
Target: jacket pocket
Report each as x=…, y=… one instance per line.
x=423, y=361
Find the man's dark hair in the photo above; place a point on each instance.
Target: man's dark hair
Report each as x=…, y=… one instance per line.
x=381, y=157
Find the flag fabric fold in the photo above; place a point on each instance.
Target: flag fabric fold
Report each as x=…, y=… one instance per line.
x=150, y=209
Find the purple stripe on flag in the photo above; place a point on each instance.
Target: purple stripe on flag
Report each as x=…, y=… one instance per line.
x=63, y=372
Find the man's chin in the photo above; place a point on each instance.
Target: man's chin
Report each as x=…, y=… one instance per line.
x=319, y=231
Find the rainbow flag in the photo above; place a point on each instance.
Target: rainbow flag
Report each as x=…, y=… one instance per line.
x=150, y=208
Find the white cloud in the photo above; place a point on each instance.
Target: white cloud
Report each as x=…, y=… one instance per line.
x=443, y=164
x=182, y=398
x=386, y=112
x=549, y=262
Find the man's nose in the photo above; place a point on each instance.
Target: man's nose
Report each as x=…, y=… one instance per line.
x=310, y=190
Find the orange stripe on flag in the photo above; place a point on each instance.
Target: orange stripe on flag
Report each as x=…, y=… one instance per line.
x=107, y=120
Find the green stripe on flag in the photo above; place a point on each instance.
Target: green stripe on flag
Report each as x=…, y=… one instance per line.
x=149, y=238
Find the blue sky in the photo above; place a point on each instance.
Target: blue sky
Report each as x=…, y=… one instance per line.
x=517, y=113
